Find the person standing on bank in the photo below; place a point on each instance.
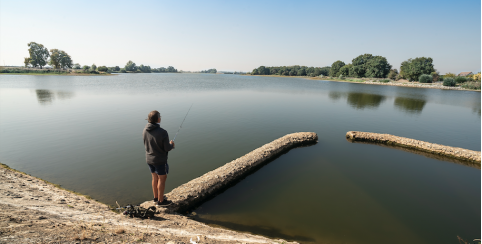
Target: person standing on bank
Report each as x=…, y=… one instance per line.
x=156, y=141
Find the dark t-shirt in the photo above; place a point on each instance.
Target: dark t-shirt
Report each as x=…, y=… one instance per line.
x=156, y=141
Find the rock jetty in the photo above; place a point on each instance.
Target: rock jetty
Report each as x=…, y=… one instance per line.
x=453, y=152
x=194, y=192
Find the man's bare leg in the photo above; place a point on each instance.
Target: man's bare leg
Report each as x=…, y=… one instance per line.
x=155, y=183
x=161, y=186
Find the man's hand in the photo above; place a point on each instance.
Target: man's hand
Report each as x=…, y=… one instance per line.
x=172, y=143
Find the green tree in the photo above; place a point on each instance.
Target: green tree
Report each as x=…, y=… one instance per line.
x=60, y=59
x=171, y=69
x=367, y=65
x=377, y=67
x=85, y=67
x=263, y=70
x=93, y=67
x=102, y=68
x=411, y=69
x=335, y=68
x=38, y=54
x=359, y=65
x=345, y=70
x=123, y=70
x=26, y=61
x=77, y=66
x=116, y=68
x=301, y=72
x=130, y=66
x=325, y=70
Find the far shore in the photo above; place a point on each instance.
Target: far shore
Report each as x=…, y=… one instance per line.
x=59, y=74
x=376, y=81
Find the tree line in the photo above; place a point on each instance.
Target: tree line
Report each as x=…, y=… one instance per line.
x=59, y=59
x=363, y=66
x=294, y=70
x=212, y=71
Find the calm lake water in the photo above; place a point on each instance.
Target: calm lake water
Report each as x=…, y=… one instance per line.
x=85, y=133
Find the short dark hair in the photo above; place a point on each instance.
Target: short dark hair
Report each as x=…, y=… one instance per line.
x=153, y=116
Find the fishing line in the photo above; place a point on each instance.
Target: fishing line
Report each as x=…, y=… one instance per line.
x=182, y=122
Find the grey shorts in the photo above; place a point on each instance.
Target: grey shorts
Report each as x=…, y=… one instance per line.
x=162, y=169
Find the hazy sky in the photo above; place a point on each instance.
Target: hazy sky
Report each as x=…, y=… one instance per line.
x=242, y=35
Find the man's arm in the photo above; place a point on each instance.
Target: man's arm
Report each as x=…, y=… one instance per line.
x=168, y=145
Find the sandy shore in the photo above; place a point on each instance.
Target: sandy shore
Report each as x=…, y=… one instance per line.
x=34, y=211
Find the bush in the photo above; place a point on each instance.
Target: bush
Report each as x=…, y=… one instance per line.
x=102, y=68
x=341, y=77
x=473, y=85
x=460, y=79
x=449, y=82
x=123, y=70
x=425, y=78
x=384, y=81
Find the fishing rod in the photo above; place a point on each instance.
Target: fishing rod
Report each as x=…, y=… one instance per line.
x=182, y=122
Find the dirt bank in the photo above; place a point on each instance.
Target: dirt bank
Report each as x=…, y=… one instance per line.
x=33, y=211
x=192, y=193
x=453, y=152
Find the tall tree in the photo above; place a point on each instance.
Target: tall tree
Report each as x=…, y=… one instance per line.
x=131, y=66
x=60, y=59
x=359, y=65
x=38, y=54
x=411, y=69
x=335, y=68
x=377, y=67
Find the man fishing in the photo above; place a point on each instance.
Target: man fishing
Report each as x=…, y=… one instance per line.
x=156, y=141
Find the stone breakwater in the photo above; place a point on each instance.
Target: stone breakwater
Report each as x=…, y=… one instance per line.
x=453, y=152
x=197, y=190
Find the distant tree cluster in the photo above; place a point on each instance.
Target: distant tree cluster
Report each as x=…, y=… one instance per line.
x=294, y=70
x=39, y=57
x=212, y=71
x=365, y=65
x=412, y=69
x=131, y=67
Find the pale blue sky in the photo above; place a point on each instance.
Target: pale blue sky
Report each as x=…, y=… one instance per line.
x=242, y=35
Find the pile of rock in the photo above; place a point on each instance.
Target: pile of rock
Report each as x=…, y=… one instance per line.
x=454, y=152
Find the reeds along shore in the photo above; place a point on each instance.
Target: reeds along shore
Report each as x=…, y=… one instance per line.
x=453, y=152
x=194, y=192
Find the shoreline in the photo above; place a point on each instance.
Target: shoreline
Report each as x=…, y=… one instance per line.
x=63, y=74
x=40, y=211
x=370, y=82
x=37, y=211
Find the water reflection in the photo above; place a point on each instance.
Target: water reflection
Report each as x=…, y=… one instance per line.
x=46, y=97
x=334, y=95
x=364, y=100
x=358, y=100
x=410, y=105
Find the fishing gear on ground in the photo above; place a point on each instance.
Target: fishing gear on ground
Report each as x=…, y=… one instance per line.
x=138, y=211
